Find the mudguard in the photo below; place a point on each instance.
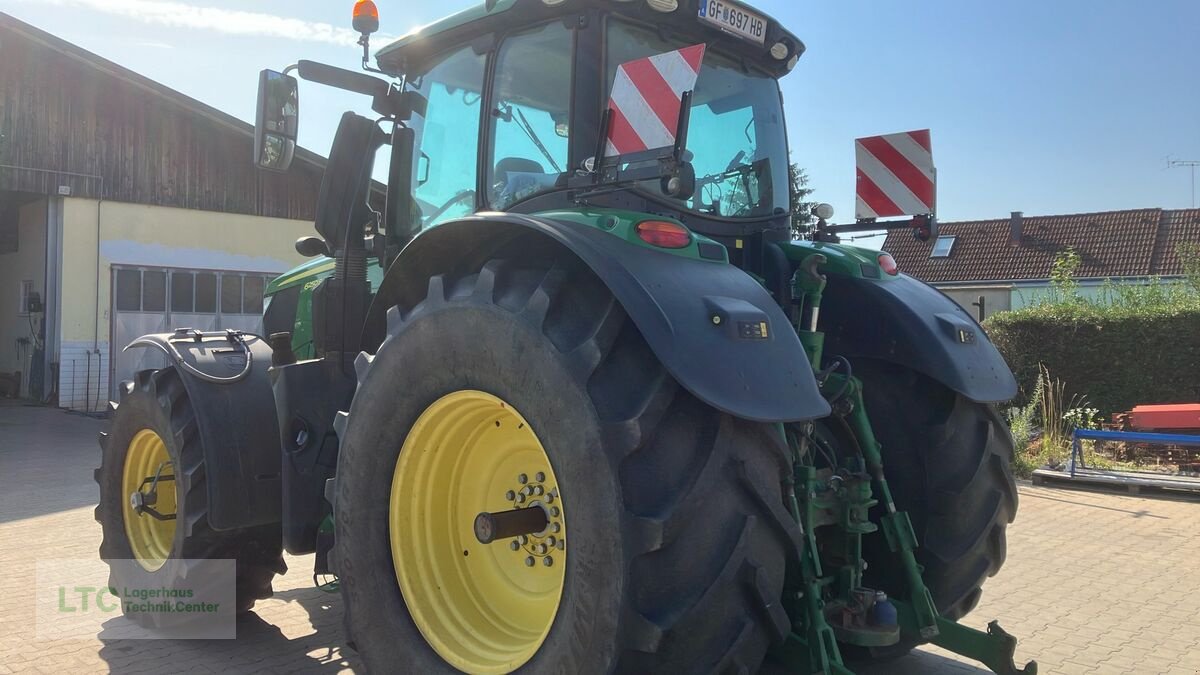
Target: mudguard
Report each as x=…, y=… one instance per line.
x=237, y=421
x=713, y=327
x=908, y=322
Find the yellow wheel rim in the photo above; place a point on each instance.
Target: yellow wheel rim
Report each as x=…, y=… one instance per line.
x=484, y=608
x=150, y=539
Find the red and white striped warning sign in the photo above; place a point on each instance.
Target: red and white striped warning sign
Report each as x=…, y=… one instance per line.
x=895, y=175
x=645, y=100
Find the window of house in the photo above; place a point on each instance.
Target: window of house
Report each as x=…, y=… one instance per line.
x=252, y=295
x=186, y=292
x=26, y=295
x=231, y=294
x=154, y=291
x=129, y=290
x=941, y=247
x=181, y=292
x=206, y=292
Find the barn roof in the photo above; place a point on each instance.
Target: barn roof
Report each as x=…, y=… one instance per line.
x=74, y=122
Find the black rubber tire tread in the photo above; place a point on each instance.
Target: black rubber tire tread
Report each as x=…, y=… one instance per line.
x=157, y=400
x=948, y=461
x=691, y=577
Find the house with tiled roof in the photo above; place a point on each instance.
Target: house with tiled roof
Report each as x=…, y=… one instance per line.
x=989, y=266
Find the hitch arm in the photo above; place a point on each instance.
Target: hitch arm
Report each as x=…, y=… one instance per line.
x=994, y=649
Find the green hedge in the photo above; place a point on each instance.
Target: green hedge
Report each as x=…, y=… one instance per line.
x=1116, y=356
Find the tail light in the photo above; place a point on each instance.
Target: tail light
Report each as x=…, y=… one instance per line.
x=888, y=263
x=663, y=234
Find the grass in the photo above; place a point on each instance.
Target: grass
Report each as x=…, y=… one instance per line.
x=1050, y=443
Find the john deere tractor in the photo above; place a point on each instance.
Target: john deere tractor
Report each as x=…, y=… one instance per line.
x=545, y=401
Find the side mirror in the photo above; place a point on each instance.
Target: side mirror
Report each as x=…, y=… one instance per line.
x=277, y=120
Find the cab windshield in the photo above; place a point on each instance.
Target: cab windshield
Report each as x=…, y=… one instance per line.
x=736, y=132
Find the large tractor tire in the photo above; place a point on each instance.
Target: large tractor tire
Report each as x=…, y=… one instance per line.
x=525, y=385
x=948, y=462
x=154, y=426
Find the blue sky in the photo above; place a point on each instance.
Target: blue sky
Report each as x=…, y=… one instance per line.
x=1040, y=106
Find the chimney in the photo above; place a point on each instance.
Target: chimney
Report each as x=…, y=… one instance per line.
x=1014, y=228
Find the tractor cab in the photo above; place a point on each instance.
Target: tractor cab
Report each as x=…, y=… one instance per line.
x=505, y=108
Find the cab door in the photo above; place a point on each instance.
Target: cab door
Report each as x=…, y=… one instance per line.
x=446, y=138
x=529, y=115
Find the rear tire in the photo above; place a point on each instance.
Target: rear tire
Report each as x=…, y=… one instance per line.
x=948, y=461
x=678, y=538
x=157, y=401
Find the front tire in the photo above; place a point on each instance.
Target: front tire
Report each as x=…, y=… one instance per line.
x=154, y=425
x=677, y=540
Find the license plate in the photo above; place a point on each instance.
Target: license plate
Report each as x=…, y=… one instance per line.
x=734, y=18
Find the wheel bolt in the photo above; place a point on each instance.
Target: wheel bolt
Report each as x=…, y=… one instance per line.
x=524, y=539
x=547, y=561
x=538, y=489
x=554, y=511
x=549, y=498
x=510, y=495
x=515, y=545
x=562, y=544
x=529, y=561
x=522, y=479
x=555, y=527
x=551, y=540
x=521, y=499
x=527, y=490
x=541, y=549
x=539, y=476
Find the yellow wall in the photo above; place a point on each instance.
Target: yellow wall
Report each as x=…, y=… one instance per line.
x=29, y=262
x=135, y=234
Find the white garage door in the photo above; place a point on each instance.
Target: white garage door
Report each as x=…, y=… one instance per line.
x=156, y=300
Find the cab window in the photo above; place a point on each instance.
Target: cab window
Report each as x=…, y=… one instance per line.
x=531, y=100
x=736, y=137
x=447, y=137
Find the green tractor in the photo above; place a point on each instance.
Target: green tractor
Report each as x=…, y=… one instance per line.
x=547, y=404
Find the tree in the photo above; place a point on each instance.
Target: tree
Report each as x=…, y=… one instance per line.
x=801, y=210
x=1189, y=256
x=1063, y=285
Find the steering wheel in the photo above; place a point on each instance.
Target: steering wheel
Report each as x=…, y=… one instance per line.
x=460, y=196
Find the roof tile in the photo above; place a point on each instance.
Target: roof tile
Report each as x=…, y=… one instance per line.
x=1137, y=242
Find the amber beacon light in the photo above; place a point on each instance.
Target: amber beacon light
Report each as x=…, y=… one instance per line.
x=366, y=17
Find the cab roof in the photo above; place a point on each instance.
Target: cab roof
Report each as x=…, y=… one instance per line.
x=481, y=24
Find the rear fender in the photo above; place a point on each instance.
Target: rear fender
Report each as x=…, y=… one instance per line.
x=908, y=322
x=236, y=420
x=714, y=328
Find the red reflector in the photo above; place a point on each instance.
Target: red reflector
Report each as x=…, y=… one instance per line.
x=663, y=234
x=888, y=263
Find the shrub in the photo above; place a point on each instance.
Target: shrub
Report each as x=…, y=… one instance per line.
x=1134, y=343
x=1119, y=355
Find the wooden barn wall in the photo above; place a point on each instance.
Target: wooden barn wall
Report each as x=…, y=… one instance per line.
x=62, y=114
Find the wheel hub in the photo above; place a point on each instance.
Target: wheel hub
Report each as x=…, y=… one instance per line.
x=149, y=515
x=478, y=533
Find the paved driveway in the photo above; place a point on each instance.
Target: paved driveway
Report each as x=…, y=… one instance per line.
x=1095, y=583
